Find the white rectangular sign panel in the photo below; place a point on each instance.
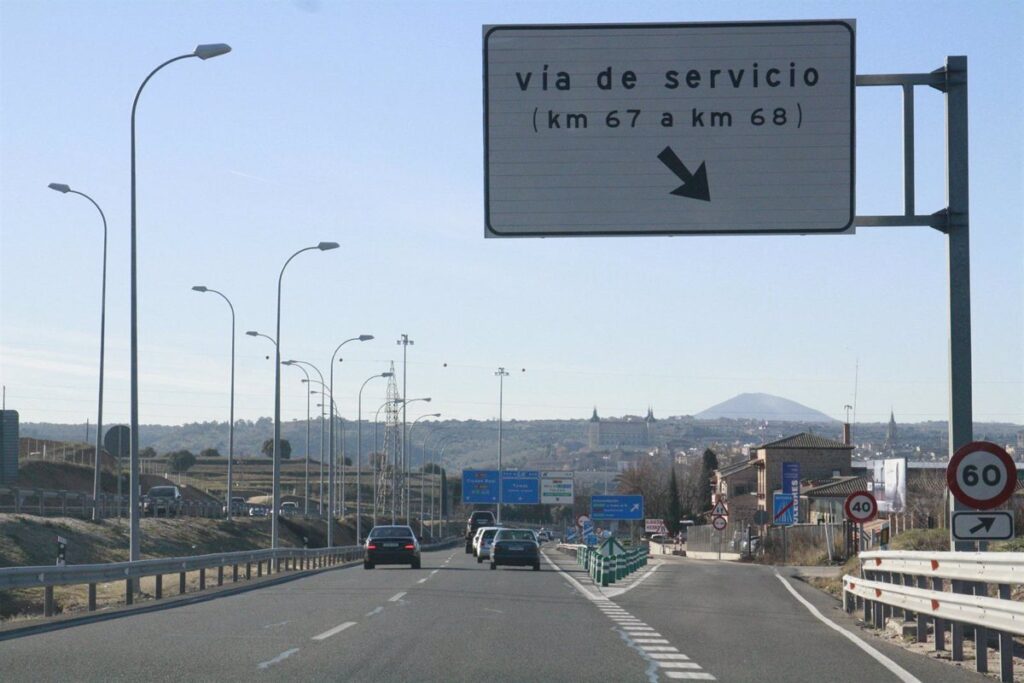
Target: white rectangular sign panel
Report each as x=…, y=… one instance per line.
x=670, y=129
x=556, y=488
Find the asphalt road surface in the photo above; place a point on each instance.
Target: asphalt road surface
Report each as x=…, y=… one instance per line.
x=455, y=620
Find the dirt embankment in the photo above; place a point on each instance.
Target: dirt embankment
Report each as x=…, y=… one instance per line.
x=65, y=476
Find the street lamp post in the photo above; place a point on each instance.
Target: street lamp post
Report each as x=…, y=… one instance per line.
x=308, y=382
x=423, y=476
x=359, y=457
x=443, y=494
x=254, y=333
x=322, y=246
x=502, y=373
x=60, y=187
x=408, y=489
x=395, y=486
x=360, y=338
x=305, y=385
x=203, y=52
x=231, y=416
x=405, y=343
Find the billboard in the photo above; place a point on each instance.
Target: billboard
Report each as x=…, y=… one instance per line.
x=890, y=484
x=480, y=486
x=791, y=485
x=9, y=447
x=669, y=129
x=556, y=488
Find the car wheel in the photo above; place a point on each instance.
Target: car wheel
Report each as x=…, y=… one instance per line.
x=367, y=565
x=493, y=565
x=469, y=548
x=415, y=564
x=536, y=567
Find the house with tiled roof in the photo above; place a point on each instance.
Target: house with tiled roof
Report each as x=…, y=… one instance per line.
x=819, y=457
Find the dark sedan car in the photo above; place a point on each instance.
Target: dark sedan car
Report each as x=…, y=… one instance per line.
x=516, y=547
x=391, y=545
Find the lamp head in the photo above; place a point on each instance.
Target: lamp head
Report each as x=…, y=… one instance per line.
x=327, y=246
x=287, y=362
x=252, y=333
x=205, y=52
x=365, y=337
x=387, y=374
x=59, y=187
x=199, y=288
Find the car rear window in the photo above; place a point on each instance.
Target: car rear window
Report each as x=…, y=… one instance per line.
x=489, y=534
x=480, y=517
x=162, y=491
x=515, y=535
x=391, y=532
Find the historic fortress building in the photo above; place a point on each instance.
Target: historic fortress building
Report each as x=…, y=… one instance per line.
x=630, y=432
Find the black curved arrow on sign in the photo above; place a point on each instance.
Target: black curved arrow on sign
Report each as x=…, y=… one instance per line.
x=695, y=185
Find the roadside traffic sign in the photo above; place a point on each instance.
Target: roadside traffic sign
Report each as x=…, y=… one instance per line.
x=719, y=523
x=860, y=507
x=782, y=510
x=720, y=510
x=117, y=441
x=633, y=129
x=982, y=526
x=981, y=475
x=623, y=507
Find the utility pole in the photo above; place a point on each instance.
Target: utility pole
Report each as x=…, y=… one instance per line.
x=501, y=374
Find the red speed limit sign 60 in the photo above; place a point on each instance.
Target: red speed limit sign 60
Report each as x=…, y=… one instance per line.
x=860, y=507
x=981, y=475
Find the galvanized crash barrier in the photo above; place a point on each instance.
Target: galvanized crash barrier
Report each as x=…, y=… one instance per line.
x=609, y=562
x=911, y=586
x=238, y=566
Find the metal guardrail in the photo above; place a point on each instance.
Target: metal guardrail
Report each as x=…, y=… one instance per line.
x=911, y=585
x=44, y=502
x=275, y=561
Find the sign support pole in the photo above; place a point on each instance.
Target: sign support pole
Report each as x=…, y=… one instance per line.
x=958, y=234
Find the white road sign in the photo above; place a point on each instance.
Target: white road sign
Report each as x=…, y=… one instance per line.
x=556, y=488
x=625, y=129
x=982, y=526
x=981, y=475
x=719, y=523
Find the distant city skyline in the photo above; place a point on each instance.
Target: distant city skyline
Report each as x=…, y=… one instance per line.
x=361, y=124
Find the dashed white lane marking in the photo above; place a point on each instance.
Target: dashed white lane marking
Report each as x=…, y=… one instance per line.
x=690, y=675
x=423, y=580
x=276, y=660
x=334, y=631
x=375, y=610
x=434, y=572
x=650, y=641
x=658, y=648
x=679, y=665
x=892, y=666
x=668, y=655
x=280, y=623
x=397, y=596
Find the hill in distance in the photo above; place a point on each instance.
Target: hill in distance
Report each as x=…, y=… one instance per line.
x=762, y=407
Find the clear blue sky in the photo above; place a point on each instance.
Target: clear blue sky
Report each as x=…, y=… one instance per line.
x=361, y=123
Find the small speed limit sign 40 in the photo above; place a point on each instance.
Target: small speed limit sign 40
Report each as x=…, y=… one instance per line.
x=860, y=507
x=981, y=475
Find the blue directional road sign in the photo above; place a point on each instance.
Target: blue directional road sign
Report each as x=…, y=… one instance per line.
x=791, y=485
x=616, y=507
x=479, y=486
x=570, y=534
x=520, y=487
x=783, y=510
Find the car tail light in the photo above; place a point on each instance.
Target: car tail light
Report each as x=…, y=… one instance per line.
x=410, y=546
x=371, y=547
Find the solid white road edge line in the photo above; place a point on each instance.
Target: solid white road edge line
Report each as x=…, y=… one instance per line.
x=334, y=631
x=892, y=666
